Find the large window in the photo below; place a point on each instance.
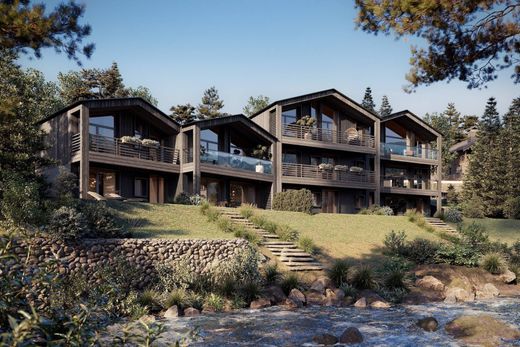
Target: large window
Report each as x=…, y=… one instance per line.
x=291, y=158
x=209, y=140
x=327, y=118
x=102, y=125
x=289, y=116
x=140, y=187
x=392, y=137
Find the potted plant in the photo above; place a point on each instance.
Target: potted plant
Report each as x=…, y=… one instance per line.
x=131, y=140
x=307, y=123
x=150, y=143
x=356, y=169
x=340, y=168
x=325, y=167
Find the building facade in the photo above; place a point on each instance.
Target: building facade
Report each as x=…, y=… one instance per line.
x=348, y=157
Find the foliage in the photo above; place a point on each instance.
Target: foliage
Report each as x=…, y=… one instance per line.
x=151, y=299
x=470, y=41
x=349, y=290
x=456, y=254
x=31, y=26
x=493, y=263
x=176, y=297
x=377, y=210
x=339, y=272
x=395, y=243
x=271, y=273
x=368, y=102
x=261, y=152
x=250, y=291
x=255, y=104
x=264, y=223
x=307, y=121
x=67, y=224
x=65, y=186
x=176, y=275
x=210, y=105
x=473, y=207
x=289, y=282
x=452, y=215
x=212, y=214
x=195, y=300
x=21, y=203
x=183, y=113
x=422, y=251
x=512, y=208
x=307, y=244
x=102, y=221
x=394, y=295
x=385, y=110
x=214, y=302
x=293, y=200
x=452, y=196
x=474, y=236
x=286, y=233
x=247, y=210
x=364, y=278
x=394, y=273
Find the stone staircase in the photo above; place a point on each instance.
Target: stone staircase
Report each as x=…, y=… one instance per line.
x=440, y=225
x=294, y=258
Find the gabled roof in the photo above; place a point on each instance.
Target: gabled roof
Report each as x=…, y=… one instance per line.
x=118, y=102
x=463, y=146
x=228, y=119
x=413, y=117
x=317, y=95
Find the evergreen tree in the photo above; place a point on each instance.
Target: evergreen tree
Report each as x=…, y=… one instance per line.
x=469, y=121
x=255, y=104
x=510, y=142
x=385, y=110
x=111, y=83
x=484, y=183
x=368, y=101
x=210, y=105
x=183, y=113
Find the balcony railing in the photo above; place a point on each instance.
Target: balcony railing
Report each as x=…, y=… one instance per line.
x=348, y=137
x=342, y=174
x=114, y=146
x=409, y=183
x=388, y=149
x=236, y=161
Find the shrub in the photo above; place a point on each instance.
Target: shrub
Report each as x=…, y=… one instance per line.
x=307, y=244
x=394, y=295
x=250, y=291
x=65, y=186
x=493, y=263
x=457, y=254
x=204, y=207
x=349, y=290
x=364, y=278
x=250, y=236
x=214, y=302
x=177, y=297
x=473, y=208
x=474, y=236
x=452, y=215
x=101, y=221
x=226, y=225
x=271, y=273
x=182, y=199
x=151, y=299
x=195, y=300
x=412, y=215
x=439, y=214
x=339, y=272
x=197, y=200
x=394, y=274
x=212, y=214
x=289, y=282
x=20, y=202
x=422, y=251
x=512, y=208
x=377, y=210
x=246, y=210
x=67, y=224
x=395, y=243
x=293, y=200
x=179, y=274
x=286, y=233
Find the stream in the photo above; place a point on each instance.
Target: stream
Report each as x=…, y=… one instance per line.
x=275, y=326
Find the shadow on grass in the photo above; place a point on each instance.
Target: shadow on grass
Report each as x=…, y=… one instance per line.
x=160, y=233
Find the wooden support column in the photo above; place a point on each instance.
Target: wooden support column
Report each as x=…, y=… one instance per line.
x=439, y=173
x=180, y=144
x=84, y=151
x=277, y=153
x=196, y=160
x=377, y=162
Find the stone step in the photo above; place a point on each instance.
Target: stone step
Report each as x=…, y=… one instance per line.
x=294, y=265
x=291, y=251
x=297, y=260
x=281, y=243
x=293, y=255
x=306, y=268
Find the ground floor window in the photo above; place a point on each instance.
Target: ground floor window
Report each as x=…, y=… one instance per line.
x=140, y=187
x=102, y=182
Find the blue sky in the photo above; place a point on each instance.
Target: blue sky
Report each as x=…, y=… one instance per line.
x=277, y=48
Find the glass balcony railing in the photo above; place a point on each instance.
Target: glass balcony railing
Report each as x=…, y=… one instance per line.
x=388, y=149
x=409, y=183
x=236, y=161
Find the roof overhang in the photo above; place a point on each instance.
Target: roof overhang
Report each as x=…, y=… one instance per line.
x=413, y=122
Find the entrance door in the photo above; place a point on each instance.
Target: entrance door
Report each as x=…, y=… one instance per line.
x=156, y=189
x=328, y=203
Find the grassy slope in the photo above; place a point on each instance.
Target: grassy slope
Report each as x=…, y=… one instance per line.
x=347, y=236
x=505, y=230
x=168, y=221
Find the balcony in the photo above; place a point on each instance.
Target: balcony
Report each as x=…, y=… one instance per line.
x=407, y=153
x=409, y=185
x=228, y=164
x=111, y=150
x=349, y=139
x=338, y=176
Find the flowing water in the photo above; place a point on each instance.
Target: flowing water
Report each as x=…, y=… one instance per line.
x=277, y=327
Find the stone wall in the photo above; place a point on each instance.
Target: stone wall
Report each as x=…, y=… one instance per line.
x=143, y=255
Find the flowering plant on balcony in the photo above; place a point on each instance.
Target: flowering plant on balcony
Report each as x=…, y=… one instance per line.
x=131, y=140
x=356, y=169
x=261, y=152
x=150, y=143
x=341, y=168
x=307, y=121
x=325, y=166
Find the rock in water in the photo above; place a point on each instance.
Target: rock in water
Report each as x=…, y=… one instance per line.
x=482, y=330
x=325, y=339
x=191, y=312
x=351, y=336
x=456, y=294
x=428, y=324
x=297, y=296
x=487, y=291
x=507, y=277
x=172, y=312
x=430, y=282
x=361, y=303
x=260, y=303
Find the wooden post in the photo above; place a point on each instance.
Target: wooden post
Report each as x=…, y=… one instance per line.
x=377, y=162
x=84, y=151
x=439, y=173
x=277, y=153
x=180, y=141
x=196, y=160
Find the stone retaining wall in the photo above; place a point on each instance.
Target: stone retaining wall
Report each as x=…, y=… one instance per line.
x=143, y=255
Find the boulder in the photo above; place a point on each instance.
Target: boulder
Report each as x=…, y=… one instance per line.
x=172, y=312
x=320, y=284
x=191, y=312
x=482, y=330
x=325, y=339
x=361, y=303
x=379, y=304
x=333, y=299
x=456, y=294
x=315, y=298
x=508, y=277
x=430, y=282
x=351, y=336
x=428, y=324
x=275, y=294
x=260, y=303
x=487, y=291
x=297, y=296
x=292, y=304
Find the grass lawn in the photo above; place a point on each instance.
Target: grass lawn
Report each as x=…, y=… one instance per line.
x=359, y=237
x=168, y=221
x=504, y=230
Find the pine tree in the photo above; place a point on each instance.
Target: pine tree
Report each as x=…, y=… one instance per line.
x=210, y=105
x=183, y=113
x=111, y=83
x=484, y=184
x=509, y=141
x=368, y=101
x=385, y=110
x=255, y=104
